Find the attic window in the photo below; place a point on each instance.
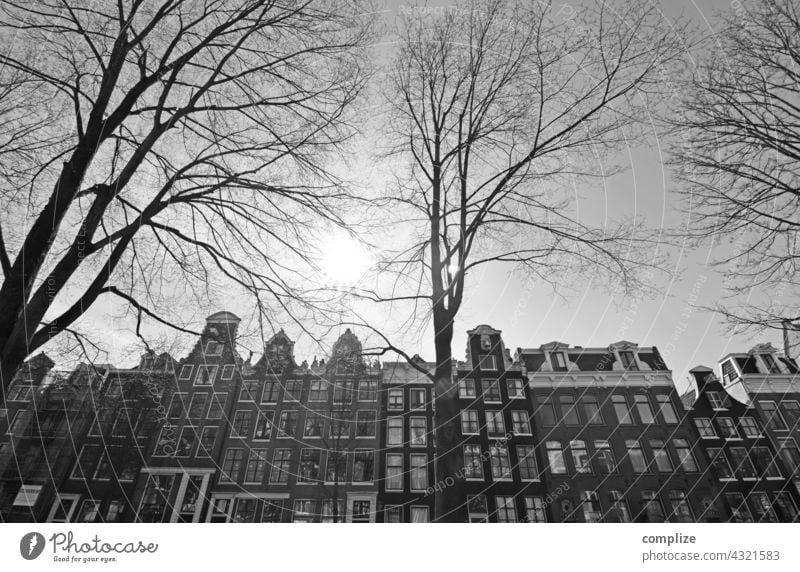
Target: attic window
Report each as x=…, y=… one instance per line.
x=729, y=374
x=487, y=363
x=213, y=349
x=557, y=360
x=772, y=366
x=628, y=360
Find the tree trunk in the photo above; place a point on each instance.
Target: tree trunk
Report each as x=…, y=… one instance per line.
x=449, y=489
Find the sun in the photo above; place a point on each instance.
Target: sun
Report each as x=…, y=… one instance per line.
x=343, y=260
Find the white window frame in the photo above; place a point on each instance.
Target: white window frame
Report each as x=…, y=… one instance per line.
x=227, y=371
x=186, y=371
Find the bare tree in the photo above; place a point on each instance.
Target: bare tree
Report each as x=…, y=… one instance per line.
x=738, y=153
x=183, y=149
x=497, y=106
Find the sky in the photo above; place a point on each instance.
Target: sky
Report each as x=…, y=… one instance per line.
x=531, y=314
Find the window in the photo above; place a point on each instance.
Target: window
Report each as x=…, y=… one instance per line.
x=628, y=360
x=394, y=434
x=114, y=511
x=546, y=412
x=304, y=510
x=762, y=508
x=287, y=425
x=519, y=423
x=666, y=409
x=487, y=363
x=366, y=421
x=491, y=391
x=205, y=375
x=557, y=361
x=368, y=390
x=791, y=413
x=336, y=469
x=643, y=408
x=534, y=509
x=232, y=464
x=394, y=472
x=395, y=400
x=417, y=398
x=469, y=422
x=363, y=464
x=738, y=507
x=315, y=425
x=217, y=401
x=90, y=510
x=790, y=455
x=506, y=511
x=361, y=511
x=501, y=466
x=661, y=456
x=619, y=507
x=681, y=512
x=705, y=428
x=621, y=409
x=591, y=409
x=769, y=361
x=419, y=432
x=198, y=406
x=719, y=464
x=263, y=426
x=473, y=464
x=256, y=466
x=245, y=510
x=270, y=392
x=186, y=372
x=419, y=472
x=87, y=459
x=569, y=413
x=249, y=391
x=227, y=371
x=177, y=409
x=310, y=463
x=466, y=388
x=742, y=466
x=685, y=458
x=186, y=442
x=339, y=429
x=419, y=514
x=636, y=456
x=604, y=456
x=652, y=507
x=281, y=466
x=715, y=400
x=207, y=440
x=516, y=389
x=527, y=463
x=580, y=457
x=477, y=508
x=727, y=428
x=785, y=507
x=213, y=349
x=393, y=514
x=749, y=427
x=591, y=506
x=241, y=424
x=555, y=458
x=729, y=374
x=318, y=391
x=766, y=463
x=343, y=392
x=19, y=392
x=293, y=390
x=495, y=425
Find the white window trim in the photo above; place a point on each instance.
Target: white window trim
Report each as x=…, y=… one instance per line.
x=188, y=369
x=226, y=369
x=212, y=369
x=75, y=500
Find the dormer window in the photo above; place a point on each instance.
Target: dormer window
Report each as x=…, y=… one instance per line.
x=769, y=361
x=557, y=361
x=628, y=360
